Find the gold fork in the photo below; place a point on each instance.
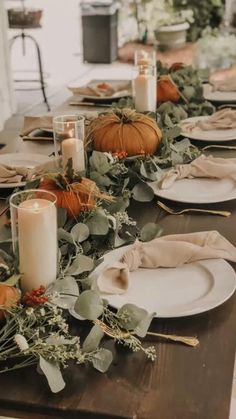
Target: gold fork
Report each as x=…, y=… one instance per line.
x=221, y=147
x=200, y=210
x=119, y=334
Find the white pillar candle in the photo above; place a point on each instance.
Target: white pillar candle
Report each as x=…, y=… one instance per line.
x=37, y=230
x=73, y=148
x=145, y=93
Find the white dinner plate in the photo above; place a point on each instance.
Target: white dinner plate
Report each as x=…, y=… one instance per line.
x=198, y=190
x=213, y=136
x=174, y=292
x=217, y=96
x=21, y=159
x=117, y=95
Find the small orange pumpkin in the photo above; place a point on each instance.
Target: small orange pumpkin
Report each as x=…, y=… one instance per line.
x=126, y=131
x=80, y=196
x=9, y=296
x=167, y=90
x=176, y=66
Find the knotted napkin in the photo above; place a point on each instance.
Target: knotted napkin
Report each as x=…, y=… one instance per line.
x=220, y=120
x=227, y=85
x=201, y=167
x=164, y=252
x=17, y=174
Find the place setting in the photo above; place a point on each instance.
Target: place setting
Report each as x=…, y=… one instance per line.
x=100, y=92
x=221, y=91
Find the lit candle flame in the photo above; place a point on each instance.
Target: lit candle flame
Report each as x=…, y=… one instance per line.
x=71, y=133
x=36, y=206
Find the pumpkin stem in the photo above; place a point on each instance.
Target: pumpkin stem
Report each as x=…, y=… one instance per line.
x=126, y=115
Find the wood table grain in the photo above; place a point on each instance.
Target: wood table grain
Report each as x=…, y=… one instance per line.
x=183, y=382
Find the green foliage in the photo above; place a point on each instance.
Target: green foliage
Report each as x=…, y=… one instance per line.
x=206, y=13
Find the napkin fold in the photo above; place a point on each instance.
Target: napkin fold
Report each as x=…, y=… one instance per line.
x=220, y=120
x=32, y=123
x=17, y=174
x=164, y=252
x=227, y=85
x=202, y=167
x=33, y=127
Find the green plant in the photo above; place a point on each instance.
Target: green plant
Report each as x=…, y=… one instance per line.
x=206, y=13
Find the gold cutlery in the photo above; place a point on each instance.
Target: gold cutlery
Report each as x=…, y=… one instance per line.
x=226, y=147
x=117, y=333
x=96, y=105
x=200, y=210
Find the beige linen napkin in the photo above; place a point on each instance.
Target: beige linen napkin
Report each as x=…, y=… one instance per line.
x=32, y=123
x=101, y=89
x=17, y=174
x=227, y=85
x=202, y=167
x=164, y=252
x=220, y=120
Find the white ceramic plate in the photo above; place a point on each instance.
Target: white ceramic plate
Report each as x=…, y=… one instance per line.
x=198, y=190
x=216, y=96
x=213, y=136
x=122, y=93
x=175, y=292
x=19, y=159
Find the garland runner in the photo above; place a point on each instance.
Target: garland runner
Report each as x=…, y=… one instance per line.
x=35, y=328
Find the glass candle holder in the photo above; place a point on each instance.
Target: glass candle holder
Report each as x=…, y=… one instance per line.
x=34, y=237
x=144, y=86
x=145, y=58
x=68, y=131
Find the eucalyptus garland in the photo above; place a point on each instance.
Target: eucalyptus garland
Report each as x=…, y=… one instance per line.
x=36, y=329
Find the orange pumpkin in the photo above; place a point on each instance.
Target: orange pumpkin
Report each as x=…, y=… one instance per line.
x=167, y=90
x=80, y=196
x=9, y=296
x=176, y=66
x=124, y=130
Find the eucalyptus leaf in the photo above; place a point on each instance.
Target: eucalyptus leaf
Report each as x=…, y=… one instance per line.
x=89, y=305
x=80, y=264
x=80, y=232
x=61, y=287
x=61, y=217
x=99, y=162
x=150, y=231
x=130, y=316
x=65, y=236
x=142, y=328
x=142, y=192
x=93, y=339
x=102, y=360
x=120, y=204
x=98, y=224
x=32, y=184
x=12, y=281
x=100, y=180
x=53, y=374
x=118, y=241
x=5, y=234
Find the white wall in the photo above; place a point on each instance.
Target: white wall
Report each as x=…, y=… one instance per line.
x=6, y=93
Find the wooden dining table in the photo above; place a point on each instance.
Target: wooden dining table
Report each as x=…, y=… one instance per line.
x=182, y=383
